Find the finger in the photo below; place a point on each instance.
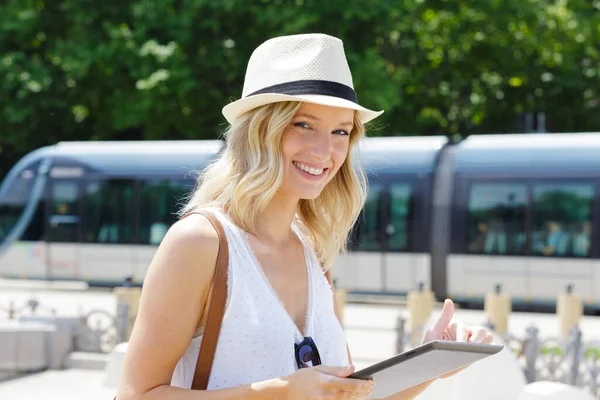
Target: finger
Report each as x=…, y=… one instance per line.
x=348, y=384
x=489, y=338
x=353, y=395
x=443, y=320
x=462, y=333
x=341, y=372
x=478, y=335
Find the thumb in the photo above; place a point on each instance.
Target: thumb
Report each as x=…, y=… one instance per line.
x=444, y=319
x=340, y=372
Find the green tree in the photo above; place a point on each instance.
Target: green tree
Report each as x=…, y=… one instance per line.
x=150, y=69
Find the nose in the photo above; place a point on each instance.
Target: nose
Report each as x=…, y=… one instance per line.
x=321, y=146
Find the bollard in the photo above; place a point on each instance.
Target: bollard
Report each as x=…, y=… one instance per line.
x=569, y=309
x=497, y=308
x=420, y=305
x=128, y=300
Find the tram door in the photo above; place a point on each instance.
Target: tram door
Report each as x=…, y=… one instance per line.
x=63, y=225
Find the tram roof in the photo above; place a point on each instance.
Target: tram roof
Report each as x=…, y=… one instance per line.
x=521, y=154
x=404, y=154
x=401, y=154
x=131, y=157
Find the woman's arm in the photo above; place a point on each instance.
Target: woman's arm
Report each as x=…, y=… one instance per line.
x=174, y=295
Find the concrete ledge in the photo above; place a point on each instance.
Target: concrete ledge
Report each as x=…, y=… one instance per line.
x=42, y=284
x=23, y=346
x=544, y=390
x=60, y=342
x=90, y=361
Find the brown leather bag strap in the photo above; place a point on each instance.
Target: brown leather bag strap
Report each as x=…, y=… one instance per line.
x=216, y=310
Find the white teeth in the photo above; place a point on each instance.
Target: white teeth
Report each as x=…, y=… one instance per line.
x=312, y=171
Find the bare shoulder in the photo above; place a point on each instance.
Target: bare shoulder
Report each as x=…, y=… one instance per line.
x=187, y=254
x=193, y=237
x=194, y=233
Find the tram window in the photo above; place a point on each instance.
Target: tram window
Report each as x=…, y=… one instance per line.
x=109, y=211
x=35, y=229
x=401, y=217
x=64, y=212
x=12, y=204
x=496, y=218
x=561, y=224
x=158, y=207
x=366, y=234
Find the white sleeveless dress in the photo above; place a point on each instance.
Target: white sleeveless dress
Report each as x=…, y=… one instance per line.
x=257, y=337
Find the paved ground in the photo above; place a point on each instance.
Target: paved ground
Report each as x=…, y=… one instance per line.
x=73, y=384
x=370, y=331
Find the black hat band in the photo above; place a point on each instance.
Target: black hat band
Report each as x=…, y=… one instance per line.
x=325, y=88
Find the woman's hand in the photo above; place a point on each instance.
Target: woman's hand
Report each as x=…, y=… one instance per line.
x=446, y=328
x=325, y=382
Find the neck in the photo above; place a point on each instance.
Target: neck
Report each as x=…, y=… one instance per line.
x=274, y=224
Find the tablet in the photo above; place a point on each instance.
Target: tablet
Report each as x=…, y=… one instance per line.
x=418, y=365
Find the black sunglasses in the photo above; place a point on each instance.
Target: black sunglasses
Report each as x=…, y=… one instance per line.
x=307, y=354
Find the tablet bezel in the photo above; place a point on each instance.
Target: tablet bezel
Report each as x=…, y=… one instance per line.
x=484, y=349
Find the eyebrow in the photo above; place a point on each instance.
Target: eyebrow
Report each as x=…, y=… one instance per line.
x=310, y=116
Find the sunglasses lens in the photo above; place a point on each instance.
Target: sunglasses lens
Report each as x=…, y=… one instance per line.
x=307, y=356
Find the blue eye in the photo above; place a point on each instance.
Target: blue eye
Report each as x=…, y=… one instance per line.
x=302, y=125
x=341, y=132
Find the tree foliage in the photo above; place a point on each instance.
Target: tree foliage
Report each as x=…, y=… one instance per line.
x=163, y=69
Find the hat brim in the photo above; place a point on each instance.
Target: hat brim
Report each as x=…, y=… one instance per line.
x=234, y=110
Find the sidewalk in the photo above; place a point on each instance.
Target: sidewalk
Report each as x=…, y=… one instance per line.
x=70, y=384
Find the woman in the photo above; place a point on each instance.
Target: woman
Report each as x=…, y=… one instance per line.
x=287, y=192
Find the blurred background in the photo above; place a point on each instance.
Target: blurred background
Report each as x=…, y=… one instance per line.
x=484, y=174
x=163, y=69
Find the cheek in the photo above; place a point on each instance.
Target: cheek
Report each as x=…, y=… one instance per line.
x=340, y=153
x=289, y=144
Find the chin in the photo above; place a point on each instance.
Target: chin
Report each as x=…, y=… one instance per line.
x=309, y=197
x=308, y=194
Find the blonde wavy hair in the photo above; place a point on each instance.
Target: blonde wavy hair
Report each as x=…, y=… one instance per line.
x=245, y=177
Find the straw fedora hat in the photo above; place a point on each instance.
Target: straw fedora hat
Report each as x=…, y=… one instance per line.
x=310, y=68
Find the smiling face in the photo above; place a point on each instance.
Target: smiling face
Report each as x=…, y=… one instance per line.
x=314, y=147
